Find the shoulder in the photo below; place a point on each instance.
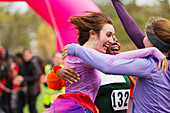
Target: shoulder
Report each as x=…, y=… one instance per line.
x=76, y=62
x=73, y=59
x=151, y=61
x=34, y=64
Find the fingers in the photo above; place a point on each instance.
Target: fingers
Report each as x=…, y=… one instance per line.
x=74, y=76
x=70, y=69
x=64, y=54
x=159, y=65
x=65, y=51
x=66, y=77
x=67, y=73
x=167, y=66
x=69, y=79
x=164, y=65
x=70, y=76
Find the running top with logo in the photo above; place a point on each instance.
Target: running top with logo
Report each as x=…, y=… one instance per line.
x=152, y=88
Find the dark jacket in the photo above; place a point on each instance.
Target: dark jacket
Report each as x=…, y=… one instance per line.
x=4, y=74
x=30, y=72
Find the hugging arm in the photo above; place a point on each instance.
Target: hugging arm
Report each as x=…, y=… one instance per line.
x=129, y=24
x=126, y=67
x=77, y=50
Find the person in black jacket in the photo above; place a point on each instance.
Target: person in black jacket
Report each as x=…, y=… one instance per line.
x=4, y=81
x=30, y=72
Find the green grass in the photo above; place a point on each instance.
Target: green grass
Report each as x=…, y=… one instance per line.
x=39, y=104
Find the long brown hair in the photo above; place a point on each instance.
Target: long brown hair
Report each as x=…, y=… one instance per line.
x=90, y=21
x=161, y=28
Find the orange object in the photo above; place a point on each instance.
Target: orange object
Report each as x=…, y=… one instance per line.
x=53, y=81
x=132, y=84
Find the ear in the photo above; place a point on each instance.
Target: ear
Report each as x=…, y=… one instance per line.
x=92, y=34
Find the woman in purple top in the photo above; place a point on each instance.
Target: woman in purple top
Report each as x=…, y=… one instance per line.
x=130, y=27
x=152, y=91
x=133, y=31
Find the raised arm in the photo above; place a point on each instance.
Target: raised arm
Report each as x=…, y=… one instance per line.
x=75, y=49
x=129, y=24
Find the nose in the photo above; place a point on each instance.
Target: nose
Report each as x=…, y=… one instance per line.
x=111, y=41
x=114, y=38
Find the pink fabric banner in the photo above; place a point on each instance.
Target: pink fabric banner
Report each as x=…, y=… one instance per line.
x=57, y=12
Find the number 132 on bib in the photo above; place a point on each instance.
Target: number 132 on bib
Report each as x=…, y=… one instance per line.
x=120, y=99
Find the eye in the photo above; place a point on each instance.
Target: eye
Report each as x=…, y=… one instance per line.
x=108, y=35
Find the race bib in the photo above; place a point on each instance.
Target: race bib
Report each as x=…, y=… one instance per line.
x=120, y=99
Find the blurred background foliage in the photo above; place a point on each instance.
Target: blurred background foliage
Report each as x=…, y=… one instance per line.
x=20, y=30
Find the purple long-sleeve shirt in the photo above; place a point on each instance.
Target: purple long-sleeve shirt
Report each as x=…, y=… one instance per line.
x=89, y=82
x=129, y=24
x=134, y=33
x=152, y=90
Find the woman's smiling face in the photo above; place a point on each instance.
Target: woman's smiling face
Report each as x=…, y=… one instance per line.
x=105, y=38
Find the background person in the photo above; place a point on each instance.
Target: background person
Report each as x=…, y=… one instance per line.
x=30, y=72
x=4, y=81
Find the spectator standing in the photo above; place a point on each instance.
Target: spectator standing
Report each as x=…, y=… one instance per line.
x=6, y=85
x=30, y=72
x=4, y=100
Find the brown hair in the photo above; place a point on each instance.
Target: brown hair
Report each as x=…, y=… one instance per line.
x=161, y=28
x=91, y=21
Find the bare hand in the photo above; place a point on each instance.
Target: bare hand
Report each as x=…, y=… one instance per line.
x=65, y=51
x=68, y=74
x=164, y=63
